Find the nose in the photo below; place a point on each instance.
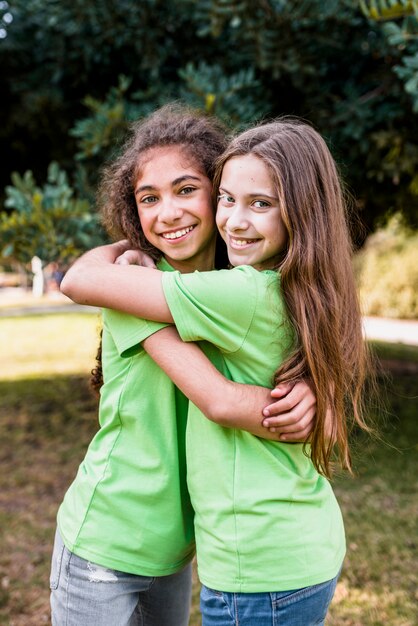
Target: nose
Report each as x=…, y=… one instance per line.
x=237, y=218
x=170, y=211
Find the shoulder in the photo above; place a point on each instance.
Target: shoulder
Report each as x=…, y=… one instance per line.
x=244, y=274
x=128, y=331
x=240, y=285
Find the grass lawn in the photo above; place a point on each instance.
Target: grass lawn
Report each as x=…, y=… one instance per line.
x=48, y=416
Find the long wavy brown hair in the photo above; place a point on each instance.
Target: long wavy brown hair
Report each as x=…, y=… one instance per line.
x=317, y=279
x=202, y=137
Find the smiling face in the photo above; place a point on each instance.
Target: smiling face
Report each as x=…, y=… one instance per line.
x=249, y=214
x=174, y=204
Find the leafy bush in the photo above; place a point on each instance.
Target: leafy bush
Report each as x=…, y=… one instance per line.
x=47, y=222
x=387, y=270
x=352, y=74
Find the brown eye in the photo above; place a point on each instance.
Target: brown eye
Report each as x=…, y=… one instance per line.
x=187, y=190
x=261, y=204
x=148, y=199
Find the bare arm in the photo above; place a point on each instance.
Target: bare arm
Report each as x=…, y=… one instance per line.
x=222, y=401
x=94, y=279
x=291, y=416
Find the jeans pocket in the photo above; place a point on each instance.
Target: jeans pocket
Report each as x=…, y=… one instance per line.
x=56, y=562
x=216, y=607
x=309, y=605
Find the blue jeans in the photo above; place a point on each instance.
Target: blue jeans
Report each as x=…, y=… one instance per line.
x=299, y=607
x=86, y=594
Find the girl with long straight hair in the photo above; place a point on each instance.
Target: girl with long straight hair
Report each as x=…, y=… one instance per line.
x=269, y=531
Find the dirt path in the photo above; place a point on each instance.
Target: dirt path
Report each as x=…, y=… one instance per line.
x=15, y=302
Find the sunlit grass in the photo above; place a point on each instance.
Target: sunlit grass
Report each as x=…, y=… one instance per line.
x=39, y=345
x=48, y=416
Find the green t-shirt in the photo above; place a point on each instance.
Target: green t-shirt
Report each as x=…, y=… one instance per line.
x=265, y=520
x=128, y=508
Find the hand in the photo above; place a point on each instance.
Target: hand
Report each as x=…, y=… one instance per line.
x=293, y=415
x=135, y=257
x=105, y=254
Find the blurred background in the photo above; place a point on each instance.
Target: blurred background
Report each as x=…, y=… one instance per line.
x=74, y=74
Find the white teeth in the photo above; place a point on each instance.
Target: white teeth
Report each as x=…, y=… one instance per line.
x=243, y=242
x=177, y=233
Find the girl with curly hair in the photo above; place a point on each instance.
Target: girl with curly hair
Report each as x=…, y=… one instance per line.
x=125, y=534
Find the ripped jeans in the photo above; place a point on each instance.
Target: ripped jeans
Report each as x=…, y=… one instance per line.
x=85, y=594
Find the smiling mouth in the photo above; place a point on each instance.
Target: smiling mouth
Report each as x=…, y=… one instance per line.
x=177, y=234
x=241, y=243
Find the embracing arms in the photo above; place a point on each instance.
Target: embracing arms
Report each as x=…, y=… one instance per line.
x=95, y=280
x=227, y=403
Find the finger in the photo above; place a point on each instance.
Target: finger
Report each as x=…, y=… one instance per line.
x=305, y=425
x=288, y=406
x=298, y=437
x=276, y=409
x=271, y=436
x=298, y=391
x=282, y=389
x=300, y=433
x=294, y=396
x=121, y=245
x=122, y=260
x=296, y=402
x=130, y=257
x=300, y=415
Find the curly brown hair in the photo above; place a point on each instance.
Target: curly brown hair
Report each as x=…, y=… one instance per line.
x=203, y=137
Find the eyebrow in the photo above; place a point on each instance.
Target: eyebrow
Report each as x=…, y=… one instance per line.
x=176, y=181
x=252, y=195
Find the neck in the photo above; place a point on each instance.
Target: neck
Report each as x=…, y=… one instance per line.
x=202, y=262
x=189, y=266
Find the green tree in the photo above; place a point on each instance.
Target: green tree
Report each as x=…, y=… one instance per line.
x=399, y=146
x=354, y=77
x=47, y=222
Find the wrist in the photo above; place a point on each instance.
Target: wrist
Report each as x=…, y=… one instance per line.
x=224, y=404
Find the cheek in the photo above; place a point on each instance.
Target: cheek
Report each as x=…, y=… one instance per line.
x=209, y=218
x=146, y=222
x=279, y=234
x=281, y=239
x=220, y=218
x=207, y=215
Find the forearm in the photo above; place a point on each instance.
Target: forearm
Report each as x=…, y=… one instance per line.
x=227, y=403
x=95, y=280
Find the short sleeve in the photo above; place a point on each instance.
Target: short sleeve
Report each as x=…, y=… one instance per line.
x=215, y=306
x=128, y=331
